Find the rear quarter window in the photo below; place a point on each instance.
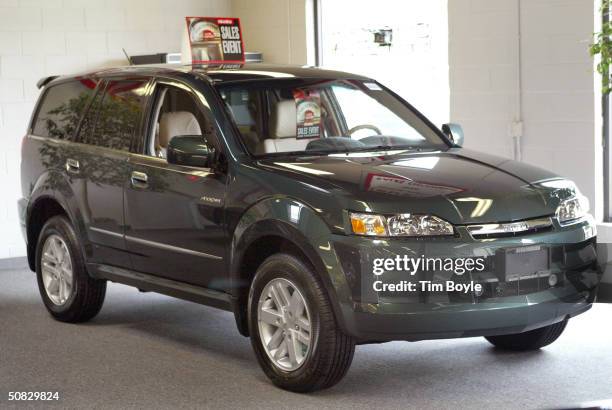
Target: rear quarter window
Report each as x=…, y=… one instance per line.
x=115, y=116
x=61, y=109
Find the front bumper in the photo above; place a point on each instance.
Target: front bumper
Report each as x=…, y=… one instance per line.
x=520, y=305
x=386, y=322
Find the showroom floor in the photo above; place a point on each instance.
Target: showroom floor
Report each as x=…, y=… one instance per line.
x=147, y=350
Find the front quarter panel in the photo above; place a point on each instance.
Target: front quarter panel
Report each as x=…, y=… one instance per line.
x=304, y=227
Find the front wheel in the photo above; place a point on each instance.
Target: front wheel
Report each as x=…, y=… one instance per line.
x=532, y=340
x=293, y=330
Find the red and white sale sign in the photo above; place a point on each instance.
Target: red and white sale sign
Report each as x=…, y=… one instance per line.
x=215, y=40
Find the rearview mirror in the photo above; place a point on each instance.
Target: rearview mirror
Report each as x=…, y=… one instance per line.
x=454, y=132
x=190, y=150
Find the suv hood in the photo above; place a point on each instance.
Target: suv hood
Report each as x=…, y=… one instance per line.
x=458, y=185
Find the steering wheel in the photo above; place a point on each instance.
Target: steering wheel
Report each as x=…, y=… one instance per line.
x=365, y=127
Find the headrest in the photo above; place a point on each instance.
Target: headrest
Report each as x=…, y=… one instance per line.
x=284, y=120
x=176, y=123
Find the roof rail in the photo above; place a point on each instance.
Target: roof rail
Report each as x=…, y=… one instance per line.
x=45, y=80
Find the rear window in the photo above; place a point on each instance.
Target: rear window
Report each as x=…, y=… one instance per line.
x=61, y=109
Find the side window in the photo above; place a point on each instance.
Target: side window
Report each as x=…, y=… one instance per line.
x=89, y=120
x=118, y=113
x=176, y=113
x=61, y=109
x=246, y=107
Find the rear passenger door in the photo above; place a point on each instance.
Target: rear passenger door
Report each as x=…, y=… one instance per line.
x=100, y=169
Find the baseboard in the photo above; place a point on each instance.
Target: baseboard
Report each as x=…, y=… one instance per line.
x=14, y=263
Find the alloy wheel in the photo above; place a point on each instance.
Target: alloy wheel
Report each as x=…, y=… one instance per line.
x=56, y=269
x=285, y=325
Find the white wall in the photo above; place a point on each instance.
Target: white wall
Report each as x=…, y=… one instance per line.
x=45, y=37
x=281, y=29
x=483, y=50
x=560, y=98
x=557, y=99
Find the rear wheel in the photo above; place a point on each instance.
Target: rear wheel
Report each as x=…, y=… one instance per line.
x=532, y=340
x=293, y=330
x=67, y=290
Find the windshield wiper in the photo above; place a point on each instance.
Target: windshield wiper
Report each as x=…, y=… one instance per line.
x=345, y=151
x=387, y=148
x=304, y=153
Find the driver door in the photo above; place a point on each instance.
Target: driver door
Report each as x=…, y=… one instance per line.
x=174, y=214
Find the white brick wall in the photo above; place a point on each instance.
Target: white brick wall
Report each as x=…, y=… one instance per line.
x=277, y=28
x=483, y=51
x=45, y=37
x=558, y=92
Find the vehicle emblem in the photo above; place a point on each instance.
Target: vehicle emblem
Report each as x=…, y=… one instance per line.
x=210, y=200
x=515, y=227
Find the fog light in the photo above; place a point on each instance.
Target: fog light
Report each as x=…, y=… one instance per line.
x=553, y=280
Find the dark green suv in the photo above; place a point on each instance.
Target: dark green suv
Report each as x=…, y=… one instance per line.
x=319, y=207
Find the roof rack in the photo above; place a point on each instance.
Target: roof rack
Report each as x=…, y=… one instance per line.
x=45, y=80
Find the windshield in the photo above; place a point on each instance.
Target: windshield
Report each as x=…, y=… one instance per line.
x=324, y=116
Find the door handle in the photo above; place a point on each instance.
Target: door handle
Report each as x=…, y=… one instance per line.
x=140, y=179
x=72, y=165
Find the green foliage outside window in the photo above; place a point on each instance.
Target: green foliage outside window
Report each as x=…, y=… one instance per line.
x=602, y=47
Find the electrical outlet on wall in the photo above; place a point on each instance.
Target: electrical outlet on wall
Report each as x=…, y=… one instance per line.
x=516, y=133
x=516, y=129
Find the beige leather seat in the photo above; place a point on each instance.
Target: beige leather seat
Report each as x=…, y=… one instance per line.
x=176, y=123
x=283, y=129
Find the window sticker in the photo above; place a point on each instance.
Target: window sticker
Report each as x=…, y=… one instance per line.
x=308, y=110
x=372, y=86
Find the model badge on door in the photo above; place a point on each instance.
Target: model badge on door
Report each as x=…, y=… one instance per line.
x=211, y=200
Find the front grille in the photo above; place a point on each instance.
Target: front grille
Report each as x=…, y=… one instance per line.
x=510, y=229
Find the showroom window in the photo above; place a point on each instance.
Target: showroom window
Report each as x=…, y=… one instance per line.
x=607, y=141
x=404, y=45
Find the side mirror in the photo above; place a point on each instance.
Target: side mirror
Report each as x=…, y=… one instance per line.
x=190, y=150
x=454, y=132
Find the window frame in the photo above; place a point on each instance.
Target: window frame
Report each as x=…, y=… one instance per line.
x=142, y=144
x=607, y=141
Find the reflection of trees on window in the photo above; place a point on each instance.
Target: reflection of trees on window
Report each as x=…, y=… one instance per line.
x=118, y=114
x=62, y=122
x=61, y=109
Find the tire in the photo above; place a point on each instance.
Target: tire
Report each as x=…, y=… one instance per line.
x=532, y=340
x=330, y=352
x=81, y=297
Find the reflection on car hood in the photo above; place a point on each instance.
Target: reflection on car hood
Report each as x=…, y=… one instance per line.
x=459, y=185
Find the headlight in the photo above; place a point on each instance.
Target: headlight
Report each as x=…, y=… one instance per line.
x=368, y=225
x=572, y=209
x=399, y=225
